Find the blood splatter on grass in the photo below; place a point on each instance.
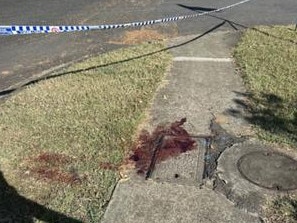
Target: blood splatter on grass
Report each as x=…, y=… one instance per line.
x=54, y=167
x=57, y=175
x=108, y=166
x=53, y=159
x=170, y=140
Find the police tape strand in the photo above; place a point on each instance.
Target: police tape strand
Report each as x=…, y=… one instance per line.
x=23, y=29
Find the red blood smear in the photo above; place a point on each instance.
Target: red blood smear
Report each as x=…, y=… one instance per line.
x=56, y=175
x=53, y=159
x=176, y=140
x=108, y=166
x=51, y=167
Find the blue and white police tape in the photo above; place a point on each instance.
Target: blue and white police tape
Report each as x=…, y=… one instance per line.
x=23, y=29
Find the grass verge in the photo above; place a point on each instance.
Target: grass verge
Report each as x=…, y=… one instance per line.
x=282, y=209
x=267, y=57
x=62, y=139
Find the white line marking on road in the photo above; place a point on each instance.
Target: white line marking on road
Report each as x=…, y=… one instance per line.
x=203, y=59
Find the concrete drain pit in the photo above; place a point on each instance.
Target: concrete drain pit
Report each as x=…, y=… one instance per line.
x=250, y=172
x=269, y=170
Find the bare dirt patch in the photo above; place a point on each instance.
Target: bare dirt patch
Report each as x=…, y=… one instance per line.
x=131, y=37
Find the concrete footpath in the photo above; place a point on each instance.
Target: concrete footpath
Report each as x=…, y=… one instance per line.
x=201, y=84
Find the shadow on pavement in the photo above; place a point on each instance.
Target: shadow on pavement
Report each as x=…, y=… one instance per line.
x=234, y=24
x=7, y=92
x=266, y=112
x=16, y=208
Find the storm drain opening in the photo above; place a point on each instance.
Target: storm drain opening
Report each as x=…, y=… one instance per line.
x=270, y=170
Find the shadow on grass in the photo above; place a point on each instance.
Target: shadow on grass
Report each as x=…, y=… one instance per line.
x=294, y=206
x=285, y=204
x=18, y=209
x=10, y=91
x=268, y=112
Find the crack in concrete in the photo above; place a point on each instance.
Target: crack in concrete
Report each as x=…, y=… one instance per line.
x=215, y=146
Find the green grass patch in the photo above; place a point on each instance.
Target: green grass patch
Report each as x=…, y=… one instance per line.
x=57, y=136
x=267, y=57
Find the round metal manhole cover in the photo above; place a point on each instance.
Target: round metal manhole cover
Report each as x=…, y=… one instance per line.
x=269, y=170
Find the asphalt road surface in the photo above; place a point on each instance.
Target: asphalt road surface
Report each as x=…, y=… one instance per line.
x=26, y=57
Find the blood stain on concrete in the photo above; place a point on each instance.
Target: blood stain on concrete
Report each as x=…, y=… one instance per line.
x=170, y=141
